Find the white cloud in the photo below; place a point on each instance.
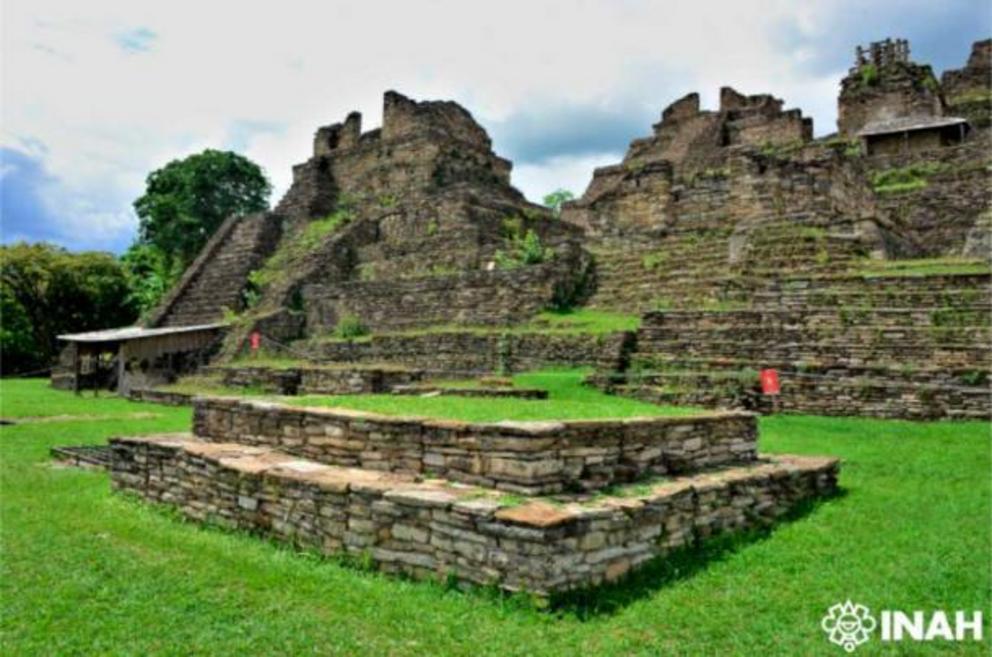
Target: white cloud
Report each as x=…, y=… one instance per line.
x=562, y=172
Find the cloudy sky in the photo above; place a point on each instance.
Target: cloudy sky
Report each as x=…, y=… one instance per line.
x=97, y=94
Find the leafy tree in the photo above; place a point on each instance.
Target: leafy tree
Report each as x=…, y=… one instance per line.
x=45, y=291
x=187, y=200
x=149, y=274
x=555, y=199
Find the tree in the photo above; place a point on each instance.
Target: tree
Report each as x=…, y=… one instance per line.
x=187, y=200
x=149, y=274
x=555, y=199
x=45, y=291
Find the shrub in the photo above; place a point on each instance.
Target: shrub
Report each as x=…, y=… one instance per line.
x=869, y=75
x=652, y=261
x=349, y=327
x=526, y=250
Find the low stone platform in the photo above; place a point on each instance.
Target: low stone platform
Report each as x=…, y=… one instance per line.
x=347, y=379
x=436, y=528
x=524, y=457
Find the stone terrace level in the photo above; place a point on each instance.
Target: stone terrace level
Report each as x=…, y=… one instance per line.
x=427, y=497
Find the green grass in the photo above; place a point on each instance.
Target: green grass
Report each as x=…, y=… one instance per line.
x=580, y=321
x=906, y=179
x=567, y=399
x=924, y=267
x=87, y=572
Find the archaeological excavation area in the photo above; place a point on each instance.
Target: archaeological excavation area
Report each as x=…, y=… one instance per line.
x=323, y=345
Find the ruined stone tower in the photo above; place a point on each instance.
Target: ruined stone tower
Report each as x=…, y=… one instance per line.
x=885, y=85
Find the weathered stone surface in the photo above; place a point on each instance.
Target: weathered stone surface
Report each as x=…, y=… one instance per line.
x=435, y=530
x=527, y=457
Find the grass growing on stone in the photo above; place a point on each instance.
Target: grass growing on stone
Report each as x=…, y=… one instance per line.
x=587, y=320
x=580, y=321
x=924, y=267
x=87, y=572
x=905, y=179
x=567, y=399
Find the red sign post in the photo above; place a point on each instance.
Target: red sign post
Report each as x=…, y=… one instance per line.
x=770, y=386
x=255, y=340
x=769, y=382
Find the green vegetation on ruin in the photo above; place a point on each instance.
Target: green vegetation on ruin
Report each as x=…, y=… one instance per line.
x=578, y=321
x=923, y=267
x=869, y=75
x=87, y=572
x=295, y=248
x=910, y=178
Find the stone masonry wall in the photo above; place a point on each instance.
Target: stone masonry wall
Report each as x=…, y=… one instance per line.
x=939, y=216
x=430, y=530
x=498, y=297
x=467, y=353
x=526, y=457
x=317, y=380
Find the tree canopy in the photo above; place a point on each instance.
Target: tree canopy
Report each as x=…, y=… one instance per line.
x=45, y=291
x=555, y=199
x=187, y=200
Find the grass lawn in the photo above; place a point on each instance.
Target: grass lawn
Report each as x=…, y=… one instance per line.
x=567, y=399
x=84, y=572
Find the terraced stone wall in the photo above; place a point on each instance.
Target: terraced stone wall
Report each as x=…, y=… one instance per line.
x=318, y=380
x=429, y=529
x=468, y=353
x=526, y=457
x=497, y=297
x=947, y=209
x=917, y=347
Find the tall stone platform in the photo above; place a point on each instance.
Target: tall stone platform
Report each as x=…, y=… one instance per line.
x=542, y=507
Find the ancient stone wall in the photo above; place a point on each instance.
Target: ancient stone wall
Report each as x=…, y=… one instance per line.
x=318, y=380
x=467, y=353
x=968, y=89
x=498, y=297
x=690, y=138
x=430, y=530
x=526, y=457
x=425, y=206
x=422, y=147
x=909, y=347
x=953, y=195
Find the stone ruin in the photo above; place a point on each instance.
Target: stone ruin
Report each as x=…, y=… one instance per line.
x=742, y=241
x=441, y=499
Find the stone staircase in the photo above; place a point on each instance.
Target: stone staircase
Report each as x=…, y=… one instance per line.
x=691, y=268
x=217, y=277
x=910, y=347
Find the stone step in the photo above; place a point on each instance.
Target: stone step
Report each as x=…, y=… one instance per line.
x=821, y=395
x=519, y=457
x=431, y=528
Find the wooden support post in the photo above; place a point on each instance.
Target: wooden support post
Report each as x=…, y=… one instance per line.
x=76, y=369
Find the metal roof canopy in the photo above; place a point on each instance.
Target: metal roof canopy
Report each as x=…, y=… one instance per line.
x=909, y=124
x=129, y=333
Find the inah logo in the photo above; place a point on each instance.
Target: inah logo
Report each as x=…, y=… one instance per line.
x=848, y=625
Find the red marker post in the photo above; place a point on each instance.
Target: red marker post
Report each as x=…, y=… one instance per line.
x=771, y=386
x=255, y=340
